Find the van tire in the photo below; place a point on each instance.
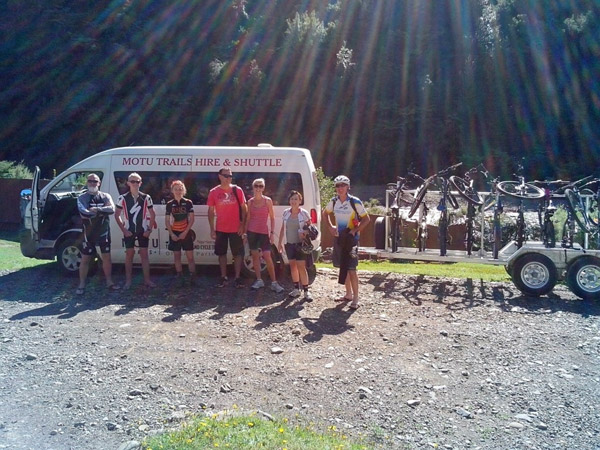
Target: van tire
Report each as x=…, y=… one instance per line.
x=248, y=271
x=68, y=257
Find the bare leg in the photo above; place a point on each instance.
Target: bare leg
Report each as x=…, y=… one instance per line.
x=189, y=254
x=302, y=272
x=237, y=265
x=294, y=271
x=270, y=266
x=129, y=254
x=223, y=265
x=352, y=286
x=255, y=263
x=84, y=267
x=107, y=268
x=146, y=267
x=177, y=260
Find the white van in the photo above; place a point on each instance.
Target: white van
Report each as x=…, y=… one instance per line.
x=53, y=225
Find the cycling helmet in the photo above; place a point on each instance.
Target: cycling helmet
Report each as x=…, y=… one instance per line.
x=342, y=179
x=313, y=232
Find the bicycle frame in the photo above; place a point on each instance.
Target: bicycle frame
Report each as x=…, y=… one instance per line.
x=441, y=180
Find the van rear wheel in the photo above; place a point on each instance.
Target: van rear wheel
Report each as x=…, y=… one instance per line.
x=68, y=257
x=248, y=266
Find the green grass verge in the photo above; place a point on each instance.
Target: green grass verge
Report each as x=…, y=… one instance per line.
x=485, y=272
x=235, y=431
x=11, y=258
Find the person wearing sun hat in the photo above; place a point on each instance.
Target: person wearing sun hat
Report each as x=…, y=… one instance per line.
x=350, y=218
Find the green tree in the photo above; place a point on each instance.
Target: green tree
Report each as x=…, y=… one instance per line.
x=326, y=186
x=11, y=169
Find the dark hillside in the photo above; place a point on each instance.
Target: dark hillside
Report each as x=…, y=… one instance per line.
x=371, y=87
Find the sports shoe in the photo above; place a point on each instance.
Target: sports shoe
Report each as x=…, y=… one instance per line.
x=258, y=284
x=238, y=283
x=307, y=297
x=222, y=282
x=294, y=293
x=276, y=287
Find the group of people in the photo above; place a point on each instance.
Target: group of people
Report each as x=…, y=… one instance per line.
x=232, y=221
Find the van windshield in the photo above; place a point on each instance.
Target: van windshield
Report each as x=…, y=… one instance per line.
x=198, y=184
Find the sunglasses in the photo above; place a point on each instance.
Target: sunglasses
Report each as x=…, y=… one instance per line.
x=226, y=176
x=134, y=181
x=259, y=186
x=340, y=185
x=93, y=181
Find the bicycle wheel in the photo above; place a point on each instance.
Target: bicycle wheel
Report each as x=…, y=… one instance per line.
x=452, y=200
x=466, y=191
x=527, y=191
x=592, y=214
x=420, y=195
x=577, y=209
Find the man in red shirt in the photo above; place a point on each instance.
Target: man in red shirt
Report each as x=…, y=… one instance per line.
x=228, y=202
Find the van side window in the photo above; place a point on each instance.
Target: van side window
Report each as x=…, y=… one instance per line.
x=73, y=182
x=198, y=184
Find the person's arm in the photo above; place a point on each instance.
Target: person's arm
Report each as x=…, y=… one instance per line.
x=119, y=221
x=281, y=234
x=244, y=213
x=328, y=212
x=83, y=203
x=109, y=206
x=190, y=220
x=211, y=222
x=152, y=214
x=247, y=219
x=272, y=219
x=169, y=222
x=364, y=219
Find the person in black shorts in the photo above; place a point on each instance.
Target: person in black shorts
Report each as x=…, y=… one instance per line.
x=179, y=218
x=95, y=209
x=139, y=220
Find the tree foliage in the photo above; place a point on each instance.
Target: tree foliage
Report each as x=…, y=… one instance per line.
x=11, y=169
x=371, y=87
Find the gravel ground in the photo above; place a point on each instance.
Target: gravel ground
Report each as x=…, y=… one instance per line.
x=424, y=363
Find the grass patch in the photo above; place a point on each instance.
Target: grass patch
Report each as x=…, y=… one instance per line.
x=485, y=272
x=249, y=431
x=11, y=258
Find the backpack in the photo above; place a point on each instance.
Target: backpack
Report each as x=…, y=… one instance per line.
x=234, y=189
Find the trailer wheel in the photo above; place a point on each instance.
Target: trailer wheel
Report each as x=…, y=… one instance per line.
x=380, y=233
x=534, y=274
x=583, y=278
x=68, y=257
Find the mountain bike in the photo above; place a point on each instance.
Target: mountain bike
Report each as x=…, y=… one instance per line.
x=465, y=188
x=520, y=190
x=441, y=180
x=582, y=207
x=401, y=197
x=547, y=209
